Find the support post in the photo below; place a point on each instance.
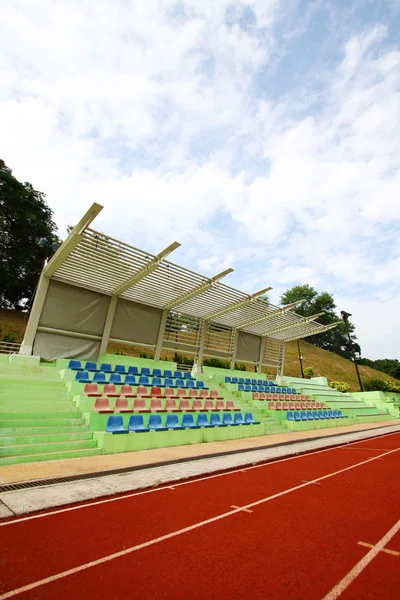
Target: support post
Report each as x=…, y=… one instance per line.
x=108, y=324
x=199, y=356
x=234, y=351
x=261, y=355
x=300, y=359
x=282, y=363
x=34, y=317
x=161, y=331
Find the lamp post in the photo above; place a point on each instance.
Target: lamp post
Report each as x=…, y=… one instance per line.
x=300, y=359
x=345, y=316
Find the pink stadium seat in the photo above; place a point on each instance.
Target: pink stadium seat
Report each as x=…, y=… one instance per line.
x=288, y=397
x=309, y=406
x=303, y=406
x=281, y=397
x=170, y=405
x=308, y=398
x=184, y=405
x=110, y=390
x=214, y=394
x=254, y=396
x=169, y=393
x=91, y=389
x=198, y=405
x=219, y=405
x=297, y=405
x=181, y=393
x=121, y=405
x=156, y=392
x=262, y=396
x=318, y=405
x=298, y=397
x=155, y=405
x=141, y=390
x=102, y=405
x=270, y=397
x=193, y=393
x=139, y=405
x=292, y=406
x=276, y=397
x=230, y=405
x=285, y=405
x=271, y=406
x=126, y=390
x=302, y=397
x=209, y=405
x=278, y=406
x=203, y=393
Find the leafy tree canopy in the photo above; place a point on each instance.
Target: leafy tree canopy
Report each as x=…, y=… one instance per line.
x=24, y=219
x=334, y=340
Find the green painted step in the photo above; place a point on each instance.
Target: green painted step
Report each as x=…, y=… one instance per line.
x=44, y=438
x=47, y=448
x=12, y=460
x=33, y=422
x=10, y=416
x=34, y=409
x=17, y=431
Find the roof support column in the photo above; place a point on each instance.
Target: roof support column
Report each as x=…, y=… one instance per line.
x=199, y=356
x=33, y=322
x=261, y=355
x=234, y=349
x=161, y=331
x=108, y=324
x=281, y=362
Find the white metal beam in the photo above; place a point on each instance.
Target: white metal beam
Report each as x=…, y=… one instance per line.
x=234, y=350
x=34, y=317
x=147, y=269
x=236, y=305
x=198, y=290
x=271, y=316
x=309, y=332
x=72, y=240
x=294, y=325
x=199, y=356
x=108, y=324
x=161, y=332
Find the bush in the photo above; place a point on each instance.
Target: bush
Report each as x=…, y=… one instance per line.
x=375, y=385
x=308, y=372
x=341, y=386
x=393, y=387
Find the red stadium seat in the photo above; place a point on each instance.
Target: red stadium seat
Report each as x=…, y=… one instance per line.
x=254, y=396
x=170, y=393
x=91, y=389
x=298, y=397
x=292, y=406
x=209, y=405
x=302, y=397
x=181, y=393
x=230, y=405
x=262, y=396
x=285, y=405
x=139, y=405
x=276, y=397
x=109, y=390
x=126, y=390
x=203, y=393
x=288, y=397
x=193, y=393
x=170, y=405
x=309, y=406
x=278, y=406
x=271, y=406
x=219, y=405
x=102, y=405
x=281, y=397
x=141, y=390
x=156, y=406
x=197, y=405
x=121, y=405
x=156, y=392
x=270, y=397
x=184, y=405
x=297, y=405
x=214, y=394
x=303, y=406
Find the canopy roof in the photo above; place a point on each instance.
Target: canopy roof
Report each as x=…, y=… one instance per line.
x=95, y=261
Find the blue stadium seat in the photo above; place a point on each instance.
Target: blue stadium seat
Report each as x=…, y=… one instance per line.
x=294, y=391
x=227, y=420
x=187, y=375
x=120, y=369
x=283, y=391
x=115, y=378
x=169, y=382
x=248, y=418
x=168, y=373
x=200, y=385
x=115, y=424
x=227, y=379
x=297, y=416
x=290, y=416
x=330, y=414
x=321, y=414
x=241, y=380
x=247, y=387
x=155, y=423
x=341, y=415
x=315, y=415
x=240, y=387
x=157, y=373
x=267, y=389
x=136, y=424
x=144, y=380
x=238, y=419
x=145, y=371
x=189, y=383
x=271, y=383
x=254, y=382
x=188, y=422
x=247, y=381
x=310, y=415
x=180, y=383
x=130, y=380
x=216, y=421
x=83, y=377
x=235, y=380
x=91, y=366
x=75, y=365
x=173, y=423
x=202, y=421
x=303, y=415
x=157, y=382
x=178, y=375
x=105, y=368
x=133, y=371
x=254, y=388
x=99, y=378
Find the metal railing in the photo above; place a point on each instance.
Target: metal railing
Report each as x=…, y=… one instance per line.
x=9, y=347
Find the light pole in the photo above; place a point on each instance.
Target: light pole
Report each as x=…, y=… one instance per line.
x=300, y=359
x=345, y=316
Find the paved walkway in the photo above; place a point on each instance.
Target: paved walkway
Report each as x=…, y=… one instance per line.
x=148, y=468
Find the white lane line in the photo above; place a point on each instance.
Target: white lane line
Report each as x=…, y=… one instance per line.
x=385, y=550
x=241, y=508
x=187, y=482
x=173, y=534
x=360, y=566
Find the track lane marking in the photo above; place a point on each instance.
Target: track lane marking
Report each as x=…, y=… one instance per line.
x=241, y=508
x=195, y=480
x=360, y=566
x=94, y=563
x=386, y=550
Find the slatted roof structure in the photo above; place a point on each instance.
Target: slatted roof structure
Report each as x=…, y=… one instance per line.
x=95, y=261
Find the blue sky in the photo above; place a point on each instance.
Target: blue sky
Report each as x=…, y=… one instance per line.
x=263, y=135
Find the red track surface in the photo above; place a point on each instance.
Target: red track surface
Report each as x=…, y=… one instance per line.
x=297, y=545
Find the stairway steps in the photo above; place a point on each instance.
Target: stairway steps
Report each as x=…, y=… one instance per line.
x=29, y=410
x=10, y=460
x=46, y=448
x=44, y=438
x=21, y=431
x=47, y=415
x=56, y=422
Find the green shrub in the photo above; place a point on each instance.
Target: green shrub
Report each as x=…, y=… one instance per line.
x=308, y=372
x=341, y=386
x=375, y=385
x=393, y=387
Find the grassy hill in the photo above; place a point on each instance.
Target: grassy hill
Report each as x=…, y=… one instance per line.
x=332, y=366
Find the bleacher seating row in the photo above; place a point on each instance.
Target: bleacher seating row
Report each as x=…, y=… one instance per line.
x=289, y=397
x=116, y=378
x=91, y=367
x=136, y=424
x=247, y=380
x=265, y=389
x=313, y=415
x=296, y=406
x=102, y=405
x=110, y=390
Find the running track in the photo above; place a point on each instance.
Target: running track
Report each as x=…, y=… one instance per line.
x=294, y=533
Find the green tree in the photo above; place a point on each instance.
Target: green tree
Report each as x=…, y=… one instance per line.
x=24, y=219
x=334, y=340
